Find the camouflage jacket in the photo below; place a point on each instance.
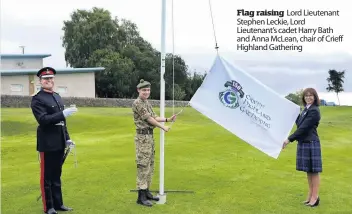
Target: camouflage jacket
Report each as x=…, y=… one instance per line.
x=142, y=110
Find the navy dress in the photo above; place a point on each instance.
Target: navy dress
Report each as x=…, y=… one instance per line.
x=308, y=148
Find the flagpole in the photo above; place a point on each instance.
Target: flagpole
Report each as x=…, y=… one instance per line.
x=162, y=195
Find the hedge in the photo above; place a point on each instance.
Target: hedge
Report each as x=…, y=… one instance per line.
x=15, y=101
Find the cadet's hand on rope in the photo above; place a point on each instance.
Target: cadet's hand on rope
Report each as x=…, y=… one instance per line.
x=67, y=112
x=172, y=118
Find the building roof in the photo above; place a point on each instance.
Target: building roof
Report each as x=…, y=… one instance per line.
x=22, y=56
x=58, y=71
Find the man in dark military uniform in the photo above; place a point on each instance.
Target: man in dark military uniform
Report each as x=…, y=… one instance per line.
x=145, y=120
x=52, y=139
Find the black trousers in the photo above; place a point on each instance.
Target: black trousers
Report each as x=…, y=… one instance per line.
x=50, y=179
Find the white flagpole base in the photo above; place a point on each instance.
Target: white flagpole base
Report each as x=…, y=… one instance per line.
x=162, y=199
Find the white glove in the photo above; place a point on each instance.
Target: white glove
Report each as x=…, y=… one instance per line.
x=69, y=143
x=67, y=112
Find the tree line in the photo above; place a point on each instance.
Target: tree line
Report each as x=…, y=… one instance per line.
x=93, y=38
x=335, y=84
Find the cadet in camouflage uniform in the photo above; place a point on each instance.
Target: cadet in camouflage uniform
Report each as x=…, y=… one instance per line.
x=145, y=120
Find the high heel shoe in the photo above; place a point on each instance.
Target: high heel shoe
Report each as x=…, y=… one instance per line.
x=315, y=204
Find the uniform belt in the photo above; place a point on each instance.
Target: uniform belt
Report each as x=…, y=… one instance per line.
x=60, y=123
x=144, y=131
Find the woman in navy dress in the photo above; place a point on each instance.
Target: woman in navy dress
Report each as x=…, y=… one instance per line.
x=309, y=158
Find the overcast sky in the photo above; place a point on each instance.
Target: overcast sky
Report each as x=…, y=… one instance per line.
x=37, y=25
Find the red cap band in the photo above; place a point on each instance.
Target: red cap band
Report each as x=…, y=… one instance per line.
x=47, y=73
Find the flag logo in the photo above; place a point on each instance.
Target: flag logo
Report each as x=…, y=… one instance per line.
x=231, y=96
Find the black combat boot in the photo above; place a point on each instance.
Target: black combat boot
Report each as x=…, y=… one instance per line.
x=151, y=197
x=142, y=198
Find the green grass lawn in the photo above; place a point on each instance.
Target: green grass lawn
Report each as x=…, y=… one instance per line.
x=227, y=175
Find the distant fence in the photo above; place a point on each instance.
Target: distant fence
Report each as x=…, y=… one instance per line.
x=14, y=101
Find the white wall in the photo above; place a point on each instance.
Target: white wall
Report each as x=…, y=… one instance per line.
x=73, y=85
x=67, y=85
x=15, y=85
x=21, y=64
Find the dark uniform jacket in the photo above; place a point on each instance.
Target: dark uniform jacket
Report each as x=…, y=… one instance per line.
x=52, y=131
x=307, y=123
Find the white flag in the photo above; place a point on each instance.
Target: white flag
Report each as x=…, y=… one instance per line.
x=246, y=107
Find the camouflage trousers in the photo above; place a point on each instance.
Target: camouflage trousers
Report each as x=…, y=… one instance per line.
x=145, y=160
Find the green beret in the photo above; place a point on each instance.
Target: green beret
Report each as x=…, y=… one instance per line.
x=143, y=84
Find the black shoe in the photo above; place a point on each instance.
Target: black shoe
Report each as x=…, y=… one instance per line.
x=151, y=197
x=64, y=208
x=51, y=211
x=315, y=204
x=142, y=198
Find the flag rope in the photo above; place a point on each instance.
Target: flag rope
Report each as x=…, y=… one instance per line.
x=173, y=51
x=173, y=58
x=212, y=20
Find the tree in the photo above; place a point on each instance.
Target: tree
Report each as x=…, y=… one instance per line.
x=94, y=39
x=193, y=83
x=118, y=76
x=296, y=97
x=88, y=31
x=179, y=72
x=335, y=82
x=176, y=92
